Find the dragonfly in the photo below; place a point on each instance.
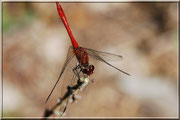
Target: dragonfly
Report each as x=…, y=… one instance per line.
x=82, y=54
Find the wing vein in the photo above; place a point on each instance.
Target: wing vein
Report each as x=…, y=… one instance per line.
x=68, y=59
x=97, y=57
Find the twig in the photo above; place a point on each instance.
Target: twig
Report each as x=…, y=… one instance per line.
x=69, y=97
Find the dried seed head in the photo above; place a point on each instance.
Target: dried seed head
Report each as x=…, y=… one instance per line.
x=70, y=100
x=64, y=104
x=86, y=80
x=78, y=97
x=81, y=79
x=58, y=100
x=58, y=113
x=63, y=114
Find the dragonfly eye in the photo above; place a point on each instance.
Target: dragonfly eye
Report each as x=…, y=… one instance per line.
x=89, y=70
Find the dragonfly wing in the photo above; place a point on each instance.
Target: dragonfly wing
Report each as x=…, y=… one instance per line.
x=94, y=54
x=105, y=55
x=70, y=55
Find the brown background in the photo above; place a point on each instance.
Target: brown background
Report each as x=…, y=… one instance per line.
x=35, y=45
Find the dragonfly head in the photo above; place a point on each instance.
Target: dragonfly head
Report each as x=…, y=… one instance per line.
x=89, y=69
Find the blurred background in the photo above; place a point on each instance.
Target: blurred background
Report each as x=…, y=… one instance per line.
x=35, y=44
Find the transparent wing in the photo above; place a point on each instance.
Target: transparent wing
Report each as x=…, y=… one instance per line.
x=105, y=55
x=69, y=78
x=95, y=54
x=70, y=55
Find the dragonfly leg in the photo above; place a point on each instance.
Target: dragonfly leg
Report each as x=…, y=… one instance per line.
x=79, y=71
x=75, y=70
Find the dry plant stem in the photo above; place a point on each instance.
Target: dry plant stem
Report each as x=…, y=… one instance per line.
x=69, y=97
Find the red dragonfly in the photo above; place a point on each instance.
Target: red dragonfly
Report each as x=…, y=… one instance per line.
x=82, y=54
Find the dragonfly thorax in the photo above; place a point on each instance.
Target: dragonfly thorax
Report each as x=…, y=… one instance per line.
x=82, y=56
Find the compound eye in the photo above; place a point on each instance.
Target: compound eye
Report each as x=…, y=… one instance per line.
x=91, y=67
x=89, y=70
